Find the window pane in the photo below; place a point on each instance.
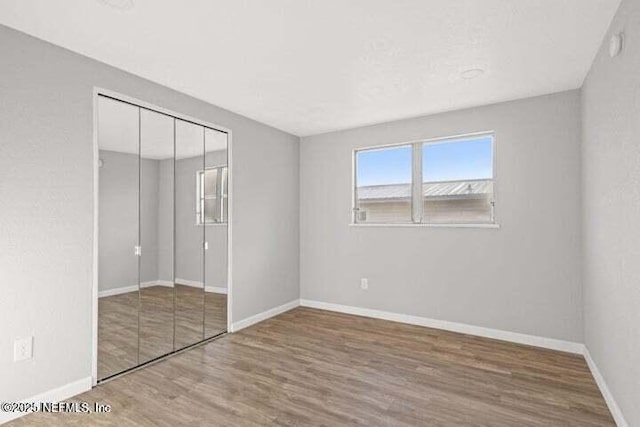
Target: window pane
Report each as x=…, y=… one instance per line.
x=458, y=181
x=210, y=214
x=225, y=184
x=210, y=181
x=225, y=209
x=383, y=177
x=225, y=192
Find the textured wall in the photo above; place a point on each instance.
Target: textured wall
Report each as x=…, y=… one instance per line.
x=611, y=206
x=523, y=277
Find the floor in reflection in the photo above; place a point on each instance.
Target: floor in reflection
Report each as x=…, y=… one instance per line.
x=118, y=324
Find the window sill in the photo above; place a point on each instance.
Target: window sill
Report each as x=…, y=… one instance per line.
x=495, y=226
x=217, y=224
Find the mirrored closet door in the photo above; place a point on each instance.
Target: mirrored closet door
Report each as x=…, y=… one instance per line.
x=190, y=247
x=156, y=235
x=214, y=208
x=162, y=238
x=118, y=221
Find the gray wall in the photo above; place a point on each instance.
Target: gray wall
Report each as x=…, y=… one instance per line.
x=118, y=220
x=523, y=277
x=611, y=206
x=165, y=219
x=189, y=235
x=118, y=227
x=46, y=207
x=149, y=210
x=215, y=235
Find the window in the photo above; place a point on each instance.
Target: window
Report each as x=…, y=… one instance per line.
x=457, y=181
x=444, y=181
x=212, y=191
x=383, y=190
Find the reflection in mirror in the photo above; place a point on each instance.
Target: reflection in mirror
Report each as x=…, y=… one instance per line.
x=189, y=248
x=117, y=237
x=214, y=208
x=162, y=261
x=156, y=235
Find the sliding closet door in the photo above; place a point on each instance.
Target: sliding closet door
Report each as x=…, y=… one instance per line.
x=118, y=173
x=156, y=235
x=189, y=235
x=215, y=208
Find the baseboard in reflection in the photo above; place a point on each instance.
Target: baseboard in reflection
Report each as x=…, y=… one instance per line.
x=196, y=284
x=133, y=288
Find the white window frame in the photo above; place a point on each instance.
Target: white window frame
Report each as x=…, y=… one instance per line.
x=417, y=182
x=200, y=196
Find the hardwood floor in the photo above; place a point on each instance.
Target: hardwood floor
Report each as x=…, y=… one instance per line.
x=312, y=367
x=118, y=324
x=117, y=333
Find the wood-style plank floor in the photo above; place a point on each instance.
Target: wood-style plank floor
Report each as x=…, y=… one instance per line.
x=312, y=367
x=118, y=324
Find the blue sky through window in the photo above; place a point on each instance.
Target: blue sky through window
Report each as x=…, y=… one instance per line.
x=385, y=166
x=446, y=161
x=458, y=160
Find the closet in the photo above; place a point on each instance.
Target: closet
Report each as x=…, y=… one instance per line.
x=162, y=234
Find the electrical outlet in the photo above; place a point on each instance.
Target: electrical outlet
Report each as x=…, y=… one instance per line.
x=364, y=284
x=22, y=349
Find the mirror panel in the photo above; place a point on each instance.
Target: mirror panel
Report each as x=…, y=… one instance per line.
x=156, y=235
x=189, y=248
x=163, y=206
x=117, y=237
x=215, y=208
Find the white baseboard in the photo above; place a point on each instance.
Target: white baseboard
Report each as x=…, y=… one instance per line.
x=215, y=289
x=615, y=410
x=117, y=291
x=550, y=343
x=151, y=283
x=244, y=323
x=56, y=395
x=167, y=283
x=133, y=288
x=185, y=282
x=196, y=284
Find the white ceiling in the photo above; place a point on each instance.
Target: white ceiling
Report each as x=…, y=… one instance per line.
x=118, y=131
x=311, y=66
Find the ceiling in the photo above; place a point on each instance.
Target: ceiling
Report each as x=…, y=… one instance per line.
x=312, y=66
x=118, y=125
